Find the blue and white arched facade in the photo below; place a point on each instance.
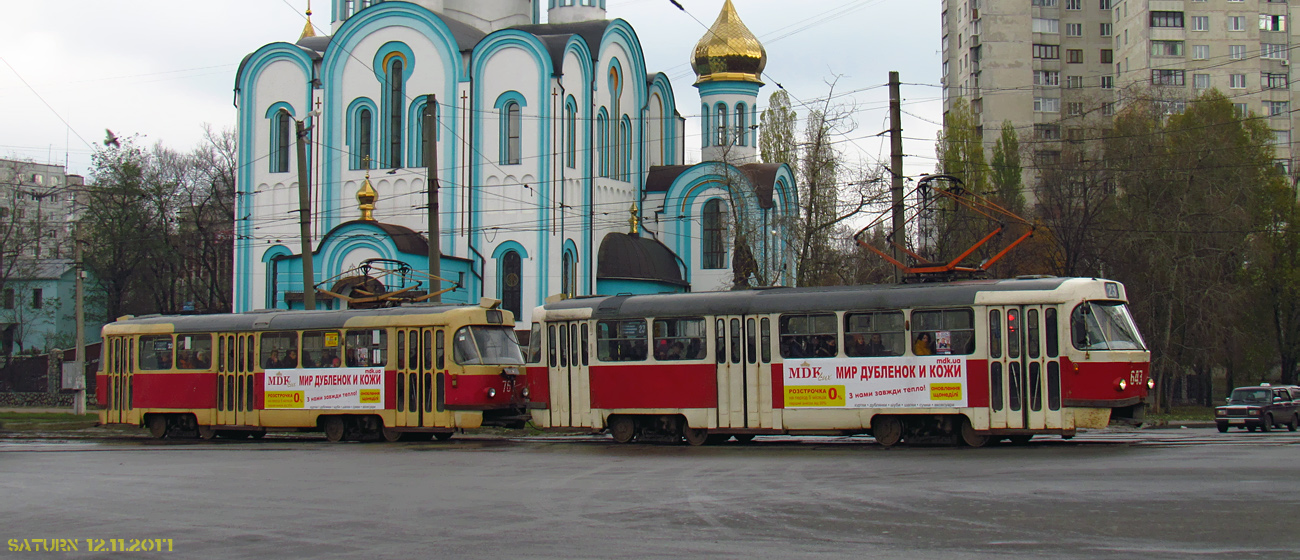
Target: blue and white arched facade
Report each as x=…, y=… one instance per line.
x=591, y=126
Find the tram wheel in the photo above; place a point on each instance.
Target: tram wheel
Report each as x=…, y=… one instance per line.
x=207, y=432
x=695, y=436
x=887, y=430
x=969, y=437
x=334, y=428
x=392, y=435
x=744, y=438
x=257, y=435
x=622, y=428
x=1021, y=440
x=442, y=436
x=158, y=426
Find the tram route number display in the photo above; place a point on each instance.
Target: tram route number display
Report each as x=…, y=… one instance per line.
x=324, y=389
x=892, y=382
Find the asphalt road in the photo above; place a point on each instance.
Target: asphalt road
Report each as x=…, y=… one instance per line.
x=1148, y=494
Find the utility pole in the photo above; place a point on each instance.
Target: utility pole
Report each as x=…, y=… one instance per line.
x=304, y=215
x=896, y=170
x=79, y=398
x=435, y=229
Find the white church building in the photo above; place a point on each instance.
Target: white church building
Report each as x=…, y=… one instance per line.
x=559, y=157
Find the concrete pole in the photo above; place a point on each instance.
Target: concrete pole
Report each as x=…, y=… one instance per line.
x=304, y=215
x=79, y=398
x=896, y=170
x=435, y=228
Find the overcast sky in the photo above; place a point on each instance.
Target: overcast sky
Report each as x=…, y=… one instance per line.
x=163, y=68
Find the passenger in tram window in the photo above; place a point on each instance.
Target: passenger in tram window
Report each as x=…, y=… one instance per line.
x=695, y=351
x=165, y=360
x=875, y=347
x=856, y=345
x=829, y=346
x=183, y=358
x=273, y=361
x=201, y=360
x=922, y=346
x=676, y=351
x=661, y=350
x=290, y=360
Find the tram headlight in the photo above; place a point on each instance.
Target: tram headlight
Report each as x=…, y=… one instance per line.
x=491, y=392
x=1122, y=385
x=525, y=392
x=1151, y=383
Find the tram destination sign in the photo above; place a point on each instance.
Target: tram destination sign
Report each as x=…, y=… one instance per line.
x=887, y=382
x=325, y=389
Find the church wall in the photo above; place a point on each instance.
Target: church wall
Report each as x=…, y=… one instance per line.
x=576, y=192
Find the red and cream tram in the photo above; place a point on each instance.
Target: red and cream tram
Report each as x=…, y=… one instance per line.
x=975, y=360
x=401, y=372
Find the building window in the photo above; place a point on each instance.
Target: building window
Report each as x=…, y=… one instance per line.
x=1074, y=82
x=1047, y=78
x=1043, y=3
x=1106, y=30
x=722, y=126
x=365, y=126
x=512, y=123
x=715, y=233
x=1047, y=52
x=1237, y=81
x=1073, y=108
x=1107, y=82
x=1166, y=19
x=1200, y=23
x=38, y=298
x=1041, y=25
x=1201, y=81
x=1236, y=23
x=602, y=142
x=571, y=113
x=1275, y=81
x=742, y=130
x=1200, y=52
x=428, y=117
x=1074, y=56
x=280, y=144
x=1281, y=138
x=568, y=274
x=1047, y=105
x=396, y=102
x=1240, y=110
x=1107, y=56
x=1276, y=108
x=1237, y=52
x=512, y=283
x=1074, y=4
x=1047, y=132
x=1272, y=50
x=1166, y=48
x=1167, y=77
x=1272, y=23
x=1074, y=30
x=1105, y=4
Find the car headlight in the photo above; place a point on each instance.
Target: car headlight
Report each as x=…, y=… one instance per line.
x=1253, y=412
x=1220, y=413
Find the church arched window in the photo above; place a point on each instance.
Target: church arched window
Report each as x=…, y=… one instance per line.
x=365, y=127
x=715, y=234
x=396, y=104
x=512, y=121
x=625, y=157
x=423, y=113
x=705, y=123
x=602, y=142
x=571, y=131
x=742, y=130
x=568, y=274
x=280, y=142
x=722, y=125
x=512, y=291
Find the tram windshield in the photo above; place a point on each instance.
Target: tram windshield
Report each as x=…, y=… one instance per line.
x=1104, y=325
x=487, y=346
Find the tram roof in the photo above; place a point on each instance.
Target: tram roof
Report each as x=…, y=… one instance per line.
x=776, y=300
x=281, y=319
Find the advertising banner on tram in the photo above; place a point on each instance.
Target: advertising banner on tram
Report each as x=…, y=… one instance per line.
x=324, y=389
x=892, y=382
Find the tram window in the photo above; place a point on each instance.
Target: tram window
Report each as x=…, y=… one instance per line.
x=680, y=339
x=155, y=352
x=1050, y=326
x=535, y=344
x=766, y=339
x=367, y=347
x=735, y=341
x=426, y=347
x=585, y=335
x=413, y=392
x=130, y=356
x=573, y=344
x=1015, y=384
x=995, y=378
x=720, y=347
x=995, y=334
x=239, y=395
x=1013, y=336
x=440, y=349
x=230, y=353
x=320, y=349
x=251, y=352
x=874, y=334
x=564, y=346
x=221, y=353
x=1054, y=386
x=1104, y=325
x=751, y=354
x=1035, y=386
x=809, y=336
x=952, y=331
x=243, y=358
x=550, y=345
x=401, y=352
x=279, y=350
x=1031, y=331
x=401, y=386
x=413, y=349
x=194, y=351
x=621, y=341
x=486, y=346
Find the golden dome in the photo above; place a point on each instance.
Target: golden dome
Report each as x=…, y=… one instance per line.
x=729, y=52
x=366, y=197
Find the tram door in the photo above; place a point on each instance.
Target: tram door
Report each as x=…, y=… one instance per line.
x=246, y=369
x=568, y=354
x=227, y=355
x=119, y=380
x=1024, y=368
x=740, y=385
x=417, y=366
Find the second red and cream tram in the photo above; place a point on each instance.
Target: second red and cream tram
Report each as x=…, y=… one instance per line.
x=973, y=360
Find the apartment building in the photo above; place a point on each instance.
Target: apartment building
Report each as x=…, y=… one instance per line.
x=1056, y=68
x=38, y=207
